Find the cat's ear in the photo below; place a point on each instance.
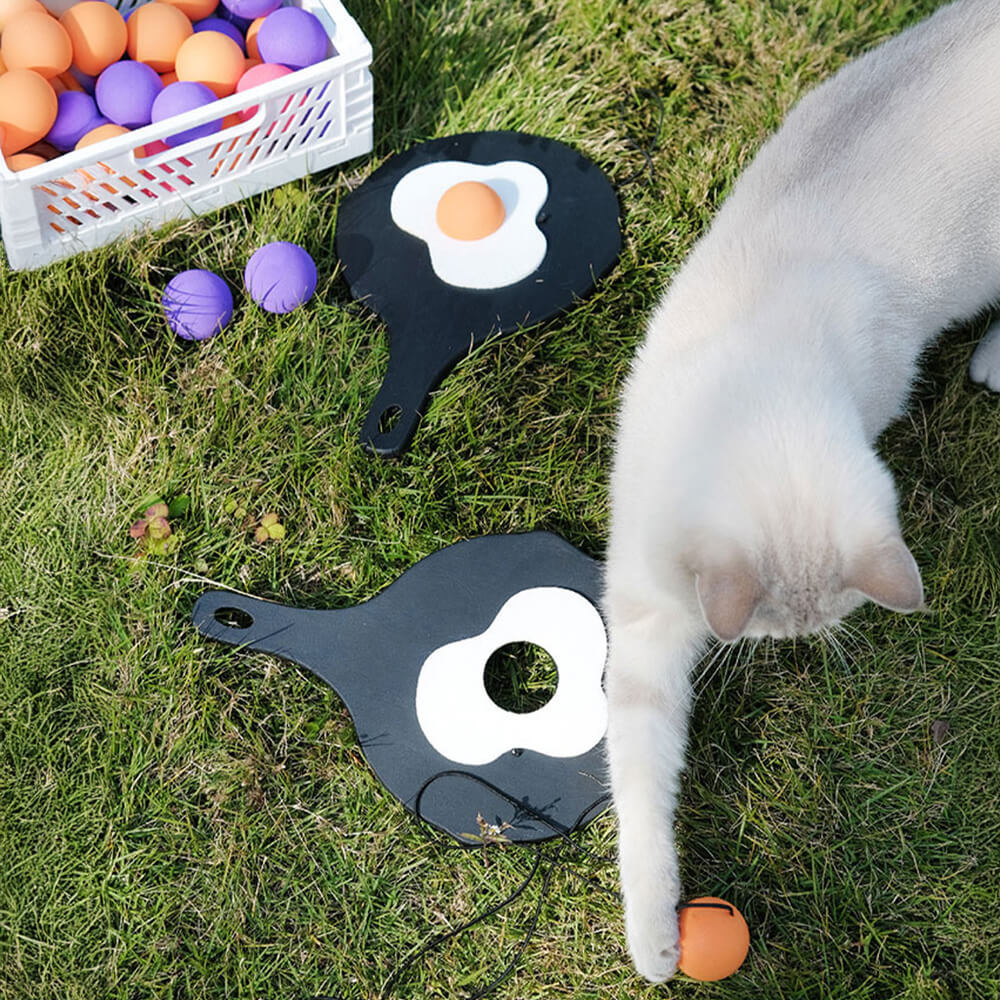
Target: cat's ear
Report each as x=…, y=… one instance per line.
x=888, y=575
x=728, y=592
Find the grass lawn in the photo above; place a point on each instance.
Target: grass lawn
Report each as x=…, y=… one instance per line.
x=181, y=820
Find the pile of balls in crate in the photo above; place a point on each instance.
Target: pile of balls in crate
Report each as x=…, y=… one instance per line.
x=91, y=73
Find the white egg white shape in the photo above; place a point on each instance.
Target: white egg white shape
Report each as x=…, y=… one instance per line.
x=504, y=257
x=462, y=722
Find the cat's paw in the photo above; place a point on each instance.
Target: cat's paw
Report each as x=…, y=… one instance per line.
x=653, y=939
x=985, y=364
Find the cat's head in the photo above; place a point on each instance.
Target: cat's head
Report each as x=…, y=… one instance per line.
x=795, y=539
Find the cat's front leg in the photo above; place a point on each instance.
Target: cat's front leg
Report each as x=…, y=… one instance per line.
x=985, y=364
x=649, y=700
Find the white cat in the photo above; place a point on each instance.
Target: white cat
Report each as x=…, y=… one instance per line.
x=747, y=499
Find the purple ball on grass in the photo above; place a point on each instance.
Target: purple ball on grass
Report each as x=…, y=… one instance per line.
x=77, y=115
x=280, y=277
x=126, y=91
x=224, y=27
x=181, y=96
x=197, y=304
x=293, y=37
x=251, y=9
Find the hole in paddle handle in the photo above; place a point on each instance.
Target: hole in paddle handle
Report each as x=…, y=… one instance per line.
x=389, y=418
x=233, y=618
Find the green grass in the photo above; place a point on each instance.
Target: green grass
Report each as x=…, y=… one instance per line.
x=179, y=820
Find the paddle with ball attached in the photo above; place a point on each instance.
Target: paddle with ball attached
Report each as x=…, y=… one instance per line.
x=409, y=665
x=465, y=238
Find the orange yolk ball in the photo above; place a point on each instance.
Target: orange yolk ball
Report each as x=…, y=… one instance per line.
x=28, y=108
x=23, y=161
x=9, y=9
x=252, y=50
x=36, y=40
x=714, y=939
x=194, y=10
x=211, y=58
x=101, y=133
x=98, y=34
x=469, y=210
x=155, y=32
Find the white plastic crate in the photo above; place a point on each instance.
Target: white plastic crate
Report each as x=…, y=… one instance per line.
x=306, y=121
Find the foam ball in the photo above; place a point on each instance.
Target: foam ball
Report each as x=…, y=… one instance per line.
x=185, y=95
x=213, y=59
x=714, y=939
x=197, y=304
x=224, y=27
x=98, y=34
x=280, y=277
x=77, y=115
x=255, y=77
x=251, y=8
x=28, y=107
x=24, y=161
x=293, y=37
x=251, y=38
x=193, y=10
x=35, y=40
x=126, y=91
x=106, y=131
x=155, y=32
x=9, y=9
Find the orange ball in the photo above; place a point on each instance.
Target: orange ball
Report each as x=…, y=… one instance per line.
x=98, y=34
x=252, y=49
x=101, y=133
x=9, y=9
x=28, y=107
x=24, y=161
x=155, y=32
x=714, y=939
x=194, y=10
x=211, y=58
x=35, y=40
x=469, y=210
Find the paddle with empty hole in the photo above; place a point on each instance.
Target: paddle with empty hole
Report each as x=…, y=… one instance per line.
x=465, y=238
x=411, y=666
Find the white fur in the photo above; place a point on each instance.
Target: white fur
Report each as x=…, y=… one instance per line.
x=745, y=487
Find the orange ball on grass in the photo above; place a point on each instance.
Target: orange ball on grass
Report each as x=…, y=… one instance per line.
x=714, y=939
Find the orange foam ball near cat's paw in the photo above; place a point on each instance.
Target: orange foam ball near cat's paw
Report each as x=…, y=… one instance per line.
x=714, y=938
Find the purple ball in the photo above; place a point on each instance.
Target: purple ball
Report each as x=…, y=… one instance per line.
x=280, y=277
x=224, y=28
x=77, y=115
x=181, y=96
x=293, y=37
x=126, y=91
x=197, y=304
x=251, y=9
x=222, y=11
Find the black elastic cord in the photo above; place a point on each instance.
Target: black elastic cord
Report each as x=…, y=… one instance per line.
x=647, y=149
x=551, y=861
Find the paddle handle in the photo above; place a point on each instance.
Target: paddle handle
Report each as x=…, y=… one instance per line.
x=397, y=409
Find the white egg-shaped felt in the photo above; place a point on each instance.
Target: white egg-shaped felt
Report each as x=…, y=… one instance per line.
x=478, y=221
x=464, y=724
